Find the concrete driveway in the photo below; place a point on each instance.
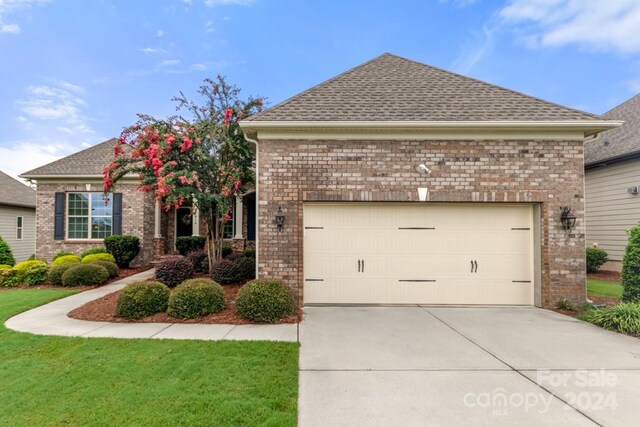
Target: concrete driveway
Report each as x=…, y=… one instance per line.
x=406, y=366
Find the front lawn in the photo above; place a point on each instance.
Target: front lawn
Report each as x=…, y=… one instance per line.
x=604, y=289
x=49, y=381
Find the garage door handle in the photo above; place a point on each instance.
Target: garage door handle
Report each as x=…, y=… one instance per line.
x=476, y=265
x=363, y=266
x=472, y=266
x=359, y=266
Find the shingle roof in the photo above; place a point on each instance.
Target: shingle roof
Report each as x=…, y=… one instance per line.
x=83, y=163
x=15, y=193
x=618, y=142
x=391, y=88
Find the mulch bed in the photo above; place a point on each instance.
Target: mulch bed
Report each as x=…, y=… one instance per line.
x=103, y=310
x=609, y=276
x=600, y=300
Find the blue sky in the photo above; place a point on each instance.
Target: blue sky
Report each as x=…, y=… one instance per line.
x=74, y=73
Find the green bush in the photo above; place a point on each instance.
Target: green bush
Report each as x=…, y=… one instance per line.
x=93, y=251
x=141, y=299
x=62, y=253
x=56, y=272
x=173, y=271
x=66, y=259
x=85, y=275
x=226, y=272
x=247, y=267
x=123, y=248
x=187, y=244
x=200, y=260
x=196, y=298
x=6, y=256
x=7, y=276
x=25, y=274
x=227, y=250
x=98, y=257
x=265, y=301
x=565, y=304
x=250, y=252
x=111, y=267
x=631, y=267
x=5, y=267
x=595, y=258
x=624, y=317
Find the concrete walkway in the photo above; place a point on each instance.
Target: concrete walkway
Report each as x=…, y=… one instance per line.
x=416, y=366
x=51, y=319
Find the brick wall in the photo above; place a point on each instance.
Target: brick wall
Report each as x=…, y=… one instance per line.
x=137, y=220
x=545, y=172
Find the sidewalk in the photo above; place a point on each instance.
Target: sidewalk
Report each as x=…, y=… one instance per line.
x=51, y=319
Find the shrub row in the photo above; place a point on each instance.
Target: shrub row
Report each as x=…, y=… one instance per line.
x=175, y=270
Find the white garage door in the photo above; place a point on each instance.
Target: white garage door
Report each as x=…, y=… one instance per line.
x=383, y=253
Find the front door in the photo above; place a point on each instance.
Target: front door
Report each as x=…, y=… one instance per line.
x=184, y=225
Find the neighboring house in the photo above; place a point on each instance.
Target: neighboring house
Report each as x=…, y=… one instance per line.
x=612, y=184
x=73, y=215
x=18, y=217
x=342, y=163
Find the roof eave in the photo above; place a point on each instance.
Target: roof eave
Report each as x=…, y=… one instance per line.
x=17, y=205
x=611, y=160
x=68, y=176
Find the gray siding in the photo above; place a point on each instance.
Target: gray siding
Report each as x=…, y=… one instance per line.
x=610, y=210
x=22, y=249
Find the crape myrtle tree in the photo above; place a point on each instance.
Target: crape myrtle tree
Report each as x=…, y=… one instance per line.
x=203, y=159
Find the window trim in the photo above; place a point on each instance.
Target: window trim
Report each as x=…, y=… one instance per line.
x=89, y=217
x=19, y=227
x=233, y=227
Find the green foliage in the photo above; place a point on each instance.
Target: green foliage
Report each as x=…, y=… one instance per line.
x=34, y=275
x=250, y=252
x=623, y=317
x=6, y=256
x=111, y=267
x=66, y=259
x=5, y=267
x=200, y=260
x=7, y=276
x=227, y=251
x=226, y=272
x=604, y=288
x=62, y=253
x=247, y=267
x=32, y=257
x=596, y=257
x=173, y=271
x=565, y=304
x=98, y=257
x=123, y=248
x=92, y=251
x=141, y=299
x=196, y=298
x=265, y=301
x=56, y=272
x=85, y=275
x=188, y=244
x=631, y=267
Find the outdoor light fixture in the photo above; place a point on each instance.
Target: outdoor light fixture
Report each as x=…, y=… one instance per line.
x=279, y=218
x=567, y=218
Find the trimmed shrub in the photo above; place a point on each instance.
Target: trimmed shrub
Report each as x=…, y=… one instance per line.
x=227, y=251
x=85, y=275
x=111, y=267
x=62, y=253
x=247, y=267
x=631, y=267
x=22, y=269
x=6, y=256
x=5, y=267
x=98, y=257
x=226, y=272
x=265, y=301
x=173, y=271
x=56, y=272
x=595, y=258
x=123, y=248
x=66, y=259
x=7, y=276
x=35, y=274
x=196, y=298
x=188, y=244
x=92, y=251
x=624, y=317
x=141, y=299
x=200, y=260
x=249, y=252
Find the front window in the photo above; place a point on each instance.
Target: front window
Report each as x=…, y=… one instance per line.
x=227, y=233
x=19, y=221
x=89, y=216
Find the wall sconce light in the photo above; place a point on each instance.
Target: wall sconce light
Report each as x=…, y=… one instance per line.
x=567, y=218
x=279, y=219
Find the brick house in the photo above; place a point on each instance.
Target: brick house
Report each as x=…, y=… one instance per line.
x=400, y=183
x=71, y=214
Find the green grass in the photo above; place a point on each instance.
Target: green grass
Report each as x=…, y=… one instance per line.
x=604, y=288
x=58, y=381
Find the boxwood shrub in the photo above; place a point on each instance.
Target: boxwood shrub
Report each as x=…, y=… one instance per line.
x=265, y=301
x=196, y=298
x=247, y=267
x=85, y=275
x=56, y=272
x=30, y=272
x=227, y=250
x=111, y=267
x=200, y=260
x=7, y=276
x=66, y=259
x=62, y=253
x=6, y=256
x=123, y=248
x=173, y=271
x=249, y=252
x=187, y=244
x=596, y=257
x=92, y=251
x=141, y=299
x=98, y=257
x=226, y=272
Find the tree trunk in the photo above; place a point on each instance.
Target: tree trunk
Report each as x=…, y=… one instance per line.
x=211, y=240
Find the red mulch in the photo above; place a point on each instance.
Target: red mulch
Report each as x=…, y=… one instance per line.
x=103, y=310
x=609, y=276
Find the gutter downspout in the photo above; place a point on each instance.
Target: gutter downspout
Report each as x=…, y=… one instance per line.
x=255, y=141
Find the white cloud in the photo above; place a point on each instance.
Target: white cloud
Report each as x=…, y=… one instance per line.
x=161, y=33
x=597, y=25
x=152, y=50
x=209, y=28
x=169, y=62
x=470, y=56
x=17, y=157
x=8, y=7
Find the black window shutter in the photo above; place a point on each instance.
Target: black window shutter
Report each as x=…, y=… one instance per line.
x=117, y=213
x=58, y=221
